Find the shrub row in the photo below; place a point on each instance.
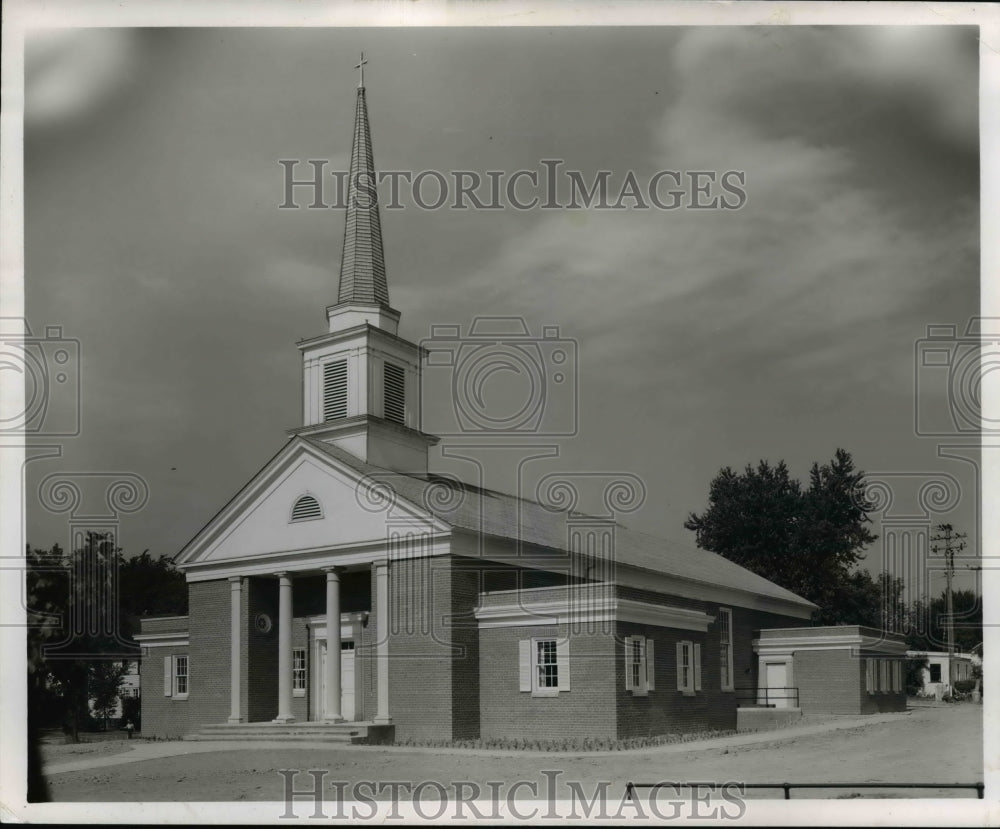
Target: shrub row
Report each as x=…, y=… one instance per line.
x=574, y=744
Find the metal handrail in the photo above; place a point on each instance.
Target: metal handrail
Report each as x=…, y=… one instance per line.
x=979, y=787
x=755, y=694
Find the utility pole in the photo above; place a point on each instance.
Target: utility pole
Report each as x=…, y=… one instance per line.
x=949, y=542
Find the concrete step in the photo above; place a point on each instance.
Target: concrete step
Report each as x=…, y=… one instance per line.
x=345, y=732
x=343, y=739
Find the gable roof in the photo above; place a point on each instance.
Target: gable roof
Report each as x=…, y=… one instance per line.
x=486, y=511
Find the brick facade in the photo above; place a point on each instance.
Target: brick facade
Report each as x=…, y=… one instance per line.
x=451, y=679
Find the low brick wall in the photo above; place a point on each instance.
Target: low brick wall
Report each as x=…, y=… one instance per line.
x=765, y=719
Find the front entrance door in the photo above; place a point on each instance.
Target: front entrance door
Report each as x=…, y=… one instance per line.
x=346, y=680
x=776, y=682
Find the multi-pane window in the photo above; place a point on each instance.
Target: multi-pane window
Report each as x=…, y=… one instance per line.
x=688, y=667
x=335, y=390
x=299, y=671
x=635, y=662
x=180, y=676
x=726, y=648
x=394, y=397
x=640, y=664
x=546, y=664
x=935, y=673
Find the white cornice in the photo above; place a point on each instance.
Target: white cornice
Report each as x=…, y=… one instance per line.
x=162, y=640
x=773, y=646
x=312, y=560
x=529, y=612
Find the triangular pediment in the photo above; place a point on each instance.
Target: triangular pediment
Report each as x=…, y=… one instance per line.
x=260, y=521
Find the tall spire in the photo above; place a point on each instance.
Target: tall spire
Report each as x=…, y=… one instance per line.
x=362, y=265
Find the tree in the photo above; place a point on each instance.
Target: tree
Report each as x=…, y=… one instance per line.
x=105, y=682
x=68, y=663
x=806, y=539
x=929, y=631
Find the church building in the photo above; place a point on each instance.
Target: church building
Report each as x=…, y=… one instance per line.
x=347, y=592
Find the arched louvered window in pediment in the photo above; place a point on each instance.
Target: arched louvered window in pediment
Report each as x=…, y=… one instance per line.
x=306, y=508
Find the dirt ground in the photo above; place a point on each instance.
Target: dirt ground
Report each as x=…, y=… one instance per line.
x=926, y=745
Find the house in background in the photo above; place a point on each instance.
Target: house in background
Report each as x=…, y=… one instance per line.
x=130, y=687
x=347, y=592
x=942, y=671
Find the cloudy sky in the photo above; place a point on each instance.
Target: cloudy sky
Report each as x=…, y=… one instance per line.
x=705, y=338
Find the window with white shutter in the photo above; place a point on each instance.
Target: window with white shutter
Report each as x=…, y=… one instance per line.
x=394, y=394
x=168, y=676
x=639, y=657
x=543, y=666
x=870, y=675
x=688, y=669
x=335, y=390
x=180, y=677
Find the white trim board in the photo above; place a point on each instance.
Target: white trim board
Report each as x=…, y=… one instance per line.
x=560, y=612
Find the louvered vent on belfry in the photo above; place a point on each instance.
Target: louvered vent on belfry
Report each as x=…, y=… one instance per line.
x=395, y=394
x=305, y=508
x=335, y=390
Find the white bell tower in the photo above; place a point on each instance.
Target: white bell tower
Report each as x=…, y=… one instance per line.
x=361, y=381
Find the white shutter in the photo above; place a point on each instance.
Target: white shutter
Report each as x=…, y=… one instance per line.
x=650, y=666
x=524, y=663
x=628, y=664
x=168, y=675
x=562, y=664
x=680, y=667
x=697, y=667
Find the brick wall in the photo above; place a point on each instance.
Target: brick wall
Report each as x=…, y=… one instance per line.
x=466, y=582
x=209, y=611
x=586, y=710
x=666, y=710
x=162, y=716
x=829, y=681
x=420, y=651
x=261, y=661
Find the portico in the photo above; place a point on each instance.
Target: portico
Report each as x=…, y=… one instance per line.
x=309, y=684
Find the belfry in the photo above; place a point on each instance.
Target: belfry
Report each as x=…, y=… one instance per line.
x=361, y=381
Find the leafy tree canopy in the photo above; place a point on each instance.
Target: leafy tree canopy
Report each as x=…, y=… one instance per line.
x=805, y=537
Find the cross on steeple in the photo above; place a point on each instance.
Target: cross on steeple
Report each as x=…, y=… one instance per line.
x=361, y=66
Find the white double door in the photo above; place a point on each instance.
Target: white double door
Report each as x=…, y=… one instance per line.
x=346, y=680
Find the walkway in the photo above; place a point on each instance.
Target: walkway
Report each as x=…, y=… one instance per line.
x=156, y=750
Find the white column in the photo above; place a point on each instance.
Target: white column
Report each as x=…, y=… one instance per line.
x=284, y=649
x=382, y=643
x=331, y=701
x=235, y=618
